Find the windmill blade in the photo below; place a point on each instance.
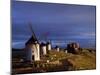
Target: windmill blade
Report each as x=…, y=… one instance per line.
x=31, y=29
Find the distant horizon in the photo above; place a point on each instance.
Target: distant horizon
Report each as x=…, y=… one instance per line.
x=54, y=43
x=56, y=22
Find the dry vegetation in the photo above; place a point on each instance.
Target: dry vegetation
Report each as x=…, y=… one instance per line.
x=83, y=61
x=61, y=61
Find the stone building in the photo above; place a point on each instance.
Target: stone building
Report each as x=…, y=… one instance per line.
x=73, y=48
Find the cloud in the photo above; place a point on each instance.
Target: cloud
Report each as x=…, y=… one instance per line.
x=89, y=34
x=18, y=44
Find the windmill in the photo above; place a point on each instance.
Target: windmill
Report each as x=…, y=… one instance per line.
x=48, y=44
x=33, y=45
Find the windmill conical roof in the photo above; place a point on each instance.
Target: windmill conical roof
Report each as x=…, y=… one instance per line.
x=31, y=40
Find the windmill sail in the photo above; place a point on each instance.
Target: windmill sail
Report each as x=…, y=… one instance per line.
x=31, y=29
x=32, y=47
x=33, y=37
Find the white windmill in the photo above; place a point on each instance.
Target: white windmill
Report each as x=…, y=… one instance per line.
x=32, y=47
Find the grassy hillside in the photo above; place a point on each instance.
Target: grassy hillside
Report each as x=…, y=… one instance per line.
x=84, y=60
x=59, y=61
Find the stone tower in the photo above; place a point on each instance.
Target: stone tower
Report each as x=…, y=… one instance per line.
x=73, y=48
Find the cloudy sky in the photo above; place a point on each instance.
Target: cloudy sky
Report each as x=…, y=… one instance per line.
x=60, y=23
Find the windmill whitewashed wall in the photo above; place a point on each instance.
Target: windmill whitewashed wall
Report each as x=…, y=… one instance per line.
x=33, y=50
x=43, y=49
x=37, y=51
x=48, y=46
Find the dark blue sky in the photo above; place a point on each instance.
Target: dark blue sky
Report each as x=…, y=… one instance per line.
x=60, y=22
